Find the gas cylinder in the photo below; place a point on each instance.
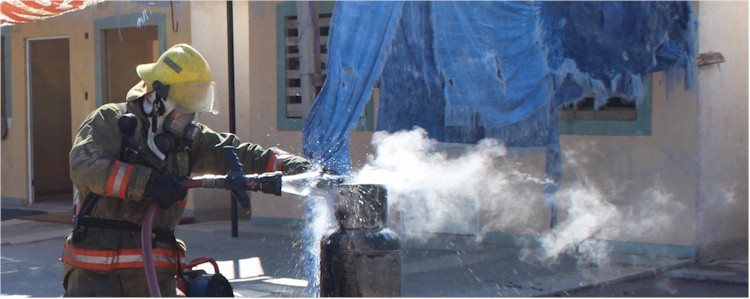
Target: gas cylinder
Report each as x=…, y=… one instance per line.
x=362, y=258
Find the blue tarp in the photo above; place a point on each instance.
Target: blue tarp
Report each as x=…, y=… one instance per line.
x=465, y=71
x=357, y=51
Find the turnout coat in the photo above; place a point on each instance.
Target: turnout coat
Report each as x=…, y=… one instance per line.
x=116, y=184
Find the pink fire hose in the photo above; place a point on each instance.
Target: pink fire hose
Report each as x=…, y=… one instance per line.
x=266, y=183
x=148, y=256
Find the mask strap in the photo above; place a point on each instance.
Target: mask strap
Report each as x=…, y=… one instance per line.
x=157, y=111
x=162, y=91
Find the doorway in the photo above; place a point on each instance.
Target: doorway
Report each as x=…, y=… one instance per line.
x=123, y=49
x=49, y=119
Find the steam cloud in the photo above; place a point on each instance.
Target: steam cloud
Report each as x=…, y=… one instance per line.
x=483, y=188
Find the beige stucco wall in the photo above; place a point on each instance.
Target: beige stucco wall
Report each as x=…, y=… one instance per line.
x=631, y=188
x=75, y=26
x=723, y=207
x=650, y=179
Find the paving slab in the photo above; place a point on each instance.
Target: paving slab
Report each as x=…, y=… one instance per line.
x=269, y=262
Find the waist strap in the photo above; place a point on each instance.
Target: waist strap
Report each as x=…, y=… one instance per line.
x=162, y=235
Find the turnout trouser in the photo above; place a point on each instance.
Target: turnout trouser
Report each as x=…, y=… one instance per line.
x=119, y=283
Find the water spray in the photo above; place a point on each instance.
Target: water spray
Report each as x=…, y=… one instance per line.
x=355, y=254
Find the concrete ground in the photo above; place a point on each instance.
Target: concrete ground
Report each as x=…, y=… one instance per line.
x=269, y=262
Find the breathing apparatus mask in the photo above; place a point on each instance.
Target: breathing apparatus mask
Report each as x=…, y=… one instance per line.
x=171, y=118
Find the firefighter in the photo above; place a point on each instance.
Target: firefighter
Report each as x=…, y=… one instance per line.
x=126, y=156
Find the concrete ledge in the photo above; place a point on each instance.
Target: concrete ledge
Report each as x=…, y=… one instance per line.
x=721, y=271
x=13, y=201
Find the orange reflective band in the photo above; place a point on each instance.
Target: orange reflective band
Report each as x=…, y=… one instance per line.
x=271, y=163
x=107, y=260
x=119, y=178
x=275, y=162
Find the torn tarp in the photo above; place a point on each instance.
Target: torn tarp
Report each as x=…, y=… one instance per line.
x=357, y=49
x=465, y=71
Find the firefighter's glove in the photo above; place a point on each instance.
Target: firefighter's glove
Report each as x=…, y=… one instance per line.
x=165, y=190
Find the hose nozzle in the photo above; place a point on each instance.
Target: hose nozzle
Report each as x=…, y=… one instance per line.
x=269, y=182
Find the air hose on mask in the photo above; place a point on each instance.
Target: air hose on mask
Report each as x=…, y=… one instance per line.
x=236, y=181
x=127, y=124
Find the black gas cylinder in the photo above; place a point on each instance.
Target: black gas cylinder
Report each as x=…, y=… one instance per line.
x=362, y=258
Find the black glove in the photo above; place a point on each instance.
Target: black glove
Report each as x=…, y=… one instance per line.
x=165, y=190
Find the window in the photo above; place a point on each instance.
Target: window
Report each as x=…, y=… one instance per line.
x=616, y=117
x=293, y=81
x=145, y=37
x=616, y=108
x=289, y=83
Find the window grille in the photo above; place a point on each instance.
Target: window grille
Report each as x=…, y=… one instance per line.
x=289, y=82
x=616, y=117
x=616, y=108
x=293, y=81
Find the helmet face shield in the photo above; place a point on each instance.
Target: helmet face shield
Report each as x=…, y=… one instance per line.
x=194, y=96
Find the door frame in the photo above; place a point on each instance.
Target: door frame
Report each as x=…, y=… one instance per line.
x=29, y=110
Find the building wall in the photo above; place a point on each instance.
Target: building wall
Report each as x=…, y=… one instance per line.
x=78, y=27
x=640, y=189
x=723, y=96
x=255, y=98
x=255, y=88
x=684, y=184
x=649, y=179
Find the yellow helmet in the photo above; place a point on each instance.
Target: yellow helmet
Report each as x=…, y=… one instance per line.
x=184, y=74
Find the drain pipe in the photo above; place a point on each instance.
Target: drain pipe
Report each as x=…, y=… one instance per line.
x=232, y=112
x=362, y=258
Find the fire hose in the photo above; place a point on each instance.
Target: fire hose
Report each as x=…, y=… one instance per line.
x=236, y=181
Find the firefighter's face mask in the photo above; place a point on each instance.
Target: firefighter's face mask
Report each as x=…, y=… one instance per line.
x=172, y=126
